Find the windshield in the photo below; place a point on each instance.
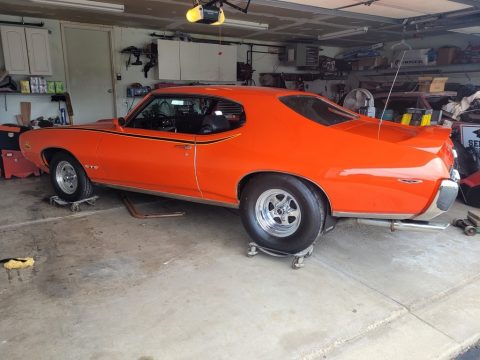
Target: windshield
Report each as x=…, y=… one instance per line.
x=318, y=110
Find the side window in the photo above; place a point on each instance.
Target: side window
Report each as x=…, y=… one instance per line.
x=317, y=110
x=189, y=115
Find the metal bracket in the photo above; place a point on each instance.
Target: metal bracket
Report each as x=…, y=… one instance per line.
x=74, y=205
x=298, y=258
x=136, y=214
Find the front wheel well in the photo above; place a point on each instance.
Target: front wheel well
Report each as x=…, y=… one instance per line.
x=247, y=178
x=47, y=154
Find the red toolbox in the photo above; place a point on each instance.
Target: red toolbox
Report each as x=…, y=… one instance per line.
x=15, y=164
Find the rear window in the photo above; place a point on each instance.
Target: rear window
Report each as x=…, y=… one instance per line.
x=317, y=110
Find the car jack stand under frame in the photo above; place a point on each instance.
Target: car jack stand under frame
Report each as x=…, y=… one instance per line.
x=74, y=205
x=298, y=258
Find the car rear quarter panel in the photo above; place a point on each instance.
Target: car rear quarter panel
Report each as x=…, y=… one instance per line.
x=357, y=174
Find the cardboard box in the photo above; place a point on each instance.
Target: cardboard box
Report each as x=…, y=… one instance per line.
x=446, y=55
x=417, y=57
x=430, y=84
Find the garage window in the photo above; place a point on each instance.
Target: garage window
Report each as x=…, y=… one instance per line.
x=316, y=109
x=188, y=115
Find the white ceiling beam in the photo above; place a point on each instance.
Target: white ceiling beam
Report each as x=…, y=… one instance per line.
x=329, y=12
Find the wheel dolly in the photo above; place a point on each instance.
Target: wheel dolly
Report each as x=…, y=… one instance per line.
x=470, y=225
x=74, y=205
x=298, y=258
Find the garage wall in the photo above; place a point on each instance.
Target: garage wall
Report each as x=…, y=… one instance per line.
x=41, y=105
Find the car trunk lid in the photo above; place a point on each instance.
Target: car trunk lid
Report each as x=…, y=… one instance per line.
x=433, y=139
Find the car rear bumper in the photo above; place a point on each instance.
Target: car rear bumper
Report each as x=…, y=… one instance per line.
x=444, y=199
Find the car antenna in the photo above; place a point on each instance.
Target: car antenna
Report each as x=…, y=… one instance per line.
x=390, y=93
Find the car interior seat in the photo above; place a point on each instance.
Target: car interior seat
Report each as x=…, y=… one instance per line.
x=214, y=124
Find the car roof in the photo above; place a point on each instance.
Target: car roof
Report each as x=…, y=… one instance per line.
x=229, y=91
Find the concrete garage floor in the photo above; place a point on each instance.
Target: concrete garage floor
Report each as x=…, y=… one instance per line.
x=108, y=286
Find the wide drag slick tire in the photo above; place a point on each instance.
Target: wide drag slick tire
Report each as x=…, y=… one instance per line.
x=68, y=178
x=282, y=213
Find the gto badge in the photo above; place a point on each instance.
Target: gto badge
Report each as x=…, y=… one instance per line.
x=27, y=145
x=410, y=181
x=94, y=167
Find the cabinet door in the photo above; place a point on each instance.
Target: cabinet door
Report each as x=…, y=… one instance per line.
x=38, y=51
x=168, y=60
x=15, y=50
x=208, y=62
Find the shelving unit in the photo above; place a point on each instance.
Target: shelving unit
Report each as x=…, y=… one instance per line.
x=418, y=70
x=5, y=93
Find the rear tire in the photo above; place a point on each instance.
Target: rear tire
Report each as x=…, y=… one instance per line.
x=282, y=213
x=68, y=178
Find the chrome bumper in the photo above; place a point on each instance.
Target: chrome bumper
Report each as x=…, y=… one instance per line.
x=444, y=199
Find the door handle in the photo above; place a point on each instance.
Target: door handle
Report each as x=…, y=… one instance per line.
x=185, y=146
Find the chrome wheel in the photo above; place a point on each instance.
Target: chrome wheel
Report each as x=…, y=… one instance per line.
x=66, y=177
x=278, y=213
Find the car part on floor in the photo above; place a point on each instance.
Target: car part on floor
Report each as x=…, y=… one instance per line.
x=394, y=225
x=136, y=214
x=298, y=258
x=470, y=225
x=74, y=205
x=13, y=163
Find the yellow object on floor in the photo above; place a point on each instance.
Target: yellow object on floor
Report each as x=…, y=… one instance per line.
x=18, y=263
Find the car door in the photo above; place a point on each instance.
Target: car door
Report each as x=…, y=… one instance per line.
x=147, y=153
x=220, y=154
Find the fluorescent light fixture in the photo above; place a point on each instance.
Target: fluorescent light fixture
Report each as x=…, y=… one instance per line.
x=344, y=33
x=84, y=4
x=245, y=24
x=472, y=30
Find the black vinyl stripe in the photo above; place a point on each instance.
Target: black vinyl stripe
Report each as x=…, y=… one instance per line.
x=192, y=142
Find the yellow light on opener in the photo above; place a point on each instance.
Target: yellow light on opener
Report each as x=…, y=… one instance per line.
x=195, y=14
x=221, y=18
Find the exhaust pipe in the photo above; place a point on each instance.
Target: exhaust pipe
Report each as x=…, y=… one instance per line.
x=394, y=225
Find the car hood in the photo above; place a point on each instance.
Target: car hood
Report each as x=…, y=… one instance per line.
x=433, y=139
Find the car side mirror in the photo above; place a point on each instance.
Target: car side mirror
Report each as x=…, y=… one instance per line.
x=119, y=122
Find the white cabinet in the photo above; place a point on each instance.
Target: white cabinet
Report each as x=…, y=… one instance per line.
x=38, y=51
x=181, y=60
x=168, y=60
x=14, y=46
x=26, y=50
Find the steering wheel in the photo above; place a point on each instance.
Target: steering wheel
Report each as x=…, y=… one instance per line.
x=163, y=122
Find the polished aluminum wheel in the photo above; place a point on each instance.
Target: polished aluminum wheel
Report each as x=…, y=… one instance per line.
x=278, y=212
x=66, y=177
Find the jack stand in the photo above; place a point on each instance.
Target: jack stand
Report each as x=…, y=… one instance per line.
x=298, y=258
x=74, y=205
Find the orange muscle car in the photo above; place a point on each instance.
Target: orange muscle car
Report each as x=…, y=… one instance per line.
x=287, y=159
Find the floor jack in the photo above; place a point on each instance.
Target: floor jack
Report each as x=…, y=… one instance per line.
x=74, y=205
x=470, y=225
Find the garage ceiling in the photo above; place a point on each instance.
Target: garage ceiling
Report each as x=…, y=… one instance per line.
x=293, y=20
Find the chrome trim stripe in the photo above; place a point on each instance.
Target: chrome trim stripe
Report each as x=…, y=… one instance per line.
x=172, y=196
x=387, y=216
